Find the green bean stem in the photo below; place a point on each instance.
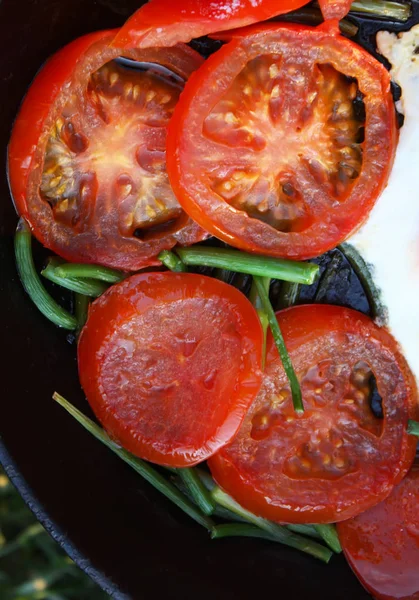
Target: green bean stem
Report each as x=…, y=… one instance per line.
x=83, y=271
x=81, y=308
x=88, y=287
x=171, y=261
x=199, y=493
x=329, y=535
x=142, y=468
x=278, y=532
x=263, y=317
x=400, y=11
x=413, y=427
x=288, y=295
x=32, y=283
x=242, y=262
x=364, y=275
x=280, y=344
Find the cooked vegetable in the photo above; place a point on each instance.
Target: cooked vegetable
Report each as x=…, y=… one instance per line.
x=170, y=363
x=171, y=261
x=266, y=149
x=32, y=283
x=382, y=544
x=337, y=458
x=88, y=271
x=241, y=262
x=413, y=428
x=297, y=399
x=88, y=287
x=86, y=157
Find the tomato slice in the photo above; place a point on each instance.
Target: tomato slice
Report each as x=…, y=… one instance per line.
x=170, y=363
x=268, y=148
x=382, y=544
x=165, y=23
x=335, y=9
x=87, y=154
x=337, y=458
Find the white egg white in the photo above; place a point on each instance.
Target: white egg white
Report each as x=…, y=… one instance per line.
x=389, y=240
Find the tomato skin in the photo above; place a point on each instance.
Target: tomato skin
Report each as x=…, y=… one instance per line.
x=35, y=109
x=186, y=142
x=335, y=9
x=382, y=544
x=265, y=467
x=165, y=23
x=99, y=238
x=170, y=363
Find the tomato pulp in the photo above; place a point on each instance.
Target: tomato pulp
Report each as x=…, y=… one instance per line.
x=86, y=158
x=382, y=544
x=283, y=140
x=337, y=458
x=170, y=363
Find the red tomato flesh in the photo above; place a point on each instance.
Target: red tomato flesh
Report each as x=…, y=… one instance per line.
x=266, y=149
x=166, y=23
x=337, y=458
x=170, y=363
x=382, y=544
x=87, y=160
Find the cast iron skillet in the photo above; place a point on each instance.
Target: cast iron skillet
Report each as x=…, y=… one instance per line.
x=127, y=537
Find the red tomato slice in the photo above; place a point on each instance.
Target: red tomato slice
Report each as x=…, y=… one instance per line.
x=87, y=154
x=267, y=150
x=336, y=459
x=382, y=544
x=335, y=9
x=167, y=22
x=170, y=363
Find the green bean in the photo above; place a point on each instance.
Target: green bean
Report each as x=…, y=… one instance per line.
x=278, y=532
x=329, y=535
x=32, y=283
x=171, y=261
x=288, y=295
x=297, y=399
x=396, y=11
x=198, y=491
x=362, y=271
x=142, y=468
x=81, y=303
x=242, y=262
x=413, y=427
x=88, y=287
x=263, y=317
x=83, y=271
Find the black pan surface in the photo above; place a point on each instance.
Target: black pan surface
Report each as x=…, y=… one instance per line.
x=128, y=538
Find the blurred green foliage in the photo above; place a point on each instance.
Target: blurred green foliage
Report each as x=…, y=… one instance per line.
x=32, y=565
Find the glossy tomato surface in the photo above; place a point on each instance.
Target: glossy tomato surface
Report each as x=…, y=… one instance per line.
x=165, y=23
x=283, y=140
x=87, y=154
x=170, y=363
x=337, y=458
x=382, y=544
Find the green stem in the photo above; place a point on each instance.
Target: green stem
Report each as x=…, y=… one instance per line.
x=280, y=344
x=241, y=262
x=329, y=535
x=278, y=532
x=364, y=275
x=32, y=283
x=171, y=261
x=81, y=309
x=289, y=294
x=75, y=270
x=263, y=317
x=400, y=11
x=88, y=287
x=413, y=427
x=198, y=492
x=142, y=468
